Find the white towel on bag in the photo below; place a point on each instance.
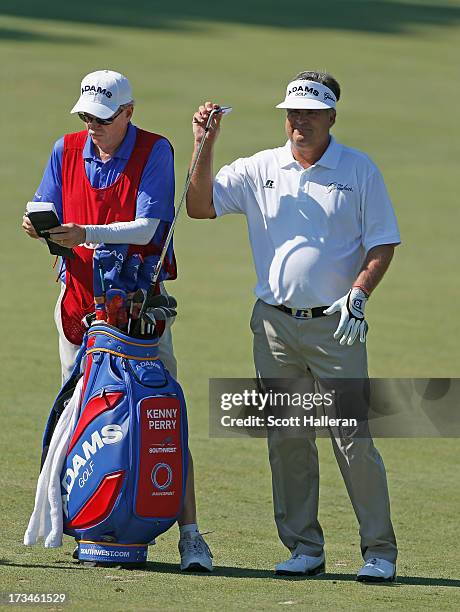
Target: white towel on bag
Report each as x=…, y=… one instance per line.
x=47, y=520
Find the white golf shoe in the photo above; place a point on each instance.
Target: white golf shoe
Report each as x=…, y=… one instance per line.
x=301, y=565
x=195, y=555
x=377, y=570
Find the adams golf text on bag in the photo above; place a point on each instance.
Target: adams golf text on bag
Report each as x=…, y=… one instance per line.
x=123, y=480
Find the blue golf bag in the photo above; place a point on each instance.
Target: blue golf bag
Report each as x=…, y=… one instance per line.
x=123, y=480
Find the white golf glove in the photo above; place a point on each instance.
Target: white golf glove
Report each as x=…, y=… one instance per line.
x=352, y=323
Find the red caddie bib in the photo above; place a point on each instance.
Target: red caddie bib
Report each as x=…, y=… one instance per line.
x=86, y=205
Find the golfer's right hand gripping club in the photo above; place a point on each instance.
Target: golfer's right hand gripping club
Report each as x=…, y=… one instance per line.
x=224, y=110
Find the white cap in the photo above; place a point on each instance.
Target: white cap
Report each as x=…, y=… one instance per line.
x=102, y=93
x=308, y=94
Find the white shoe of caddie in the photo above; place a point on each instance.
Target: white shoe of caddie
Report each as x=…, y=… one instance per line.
x=195, y=555
x=377, y=570
x=301, y=565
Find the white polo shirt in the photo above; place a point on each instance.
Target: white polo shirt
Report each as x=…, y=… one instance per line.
x=309, y=229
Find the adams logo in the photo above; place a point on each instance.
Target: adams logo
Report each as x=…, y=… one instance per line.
x=109, y=434
x=92, y=89
x=147, y=364
x=303, y=90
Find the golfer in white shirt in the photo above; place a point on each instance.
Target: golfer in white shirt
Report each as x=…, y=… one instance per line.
x=322, y=232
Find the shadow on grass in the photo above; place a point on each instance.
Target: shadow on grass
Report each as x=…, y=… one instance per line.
x=221, y=571
x=26, y=36
x=356, y=15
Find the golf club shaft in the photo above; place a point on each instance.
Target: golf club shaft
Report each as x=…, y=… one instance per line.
x=156, y=274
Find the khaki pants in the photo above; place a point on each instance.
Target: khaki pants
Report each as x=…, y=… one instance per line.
x=68, y=351
x=285, y=347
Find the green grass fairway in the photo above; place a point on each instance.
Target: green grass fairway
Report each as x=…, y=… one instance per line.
x=397, y=62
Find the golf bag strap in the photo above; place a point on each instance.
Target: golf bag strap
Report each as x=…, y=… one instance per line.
x=84, y=204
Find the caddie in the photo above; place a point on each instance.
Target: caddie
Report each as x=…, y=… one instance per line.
x=322, y=232
x=112, y=183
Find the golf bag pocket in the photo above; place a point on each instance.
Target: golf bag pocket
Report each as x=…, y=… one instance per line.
x=124, y=476
x=160, y=483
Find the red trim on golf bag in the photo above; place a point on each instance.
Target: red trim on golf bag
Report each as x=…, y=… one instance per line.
x=95, y=407
x=84, y=204
x=100, y=505
x=160, y=458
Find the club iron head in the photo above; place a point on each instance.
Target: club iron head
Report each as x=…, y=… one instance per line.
x=224, y=110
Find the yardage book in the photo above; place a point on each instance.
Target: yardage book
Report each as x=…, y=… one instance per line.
x=43, y=217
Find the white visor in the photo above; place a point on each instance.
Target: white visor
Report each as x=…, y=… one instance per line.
x=308, y=94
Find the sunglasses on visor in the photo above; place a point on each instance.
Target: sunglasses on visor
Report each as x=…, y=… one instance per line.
x=88, y=118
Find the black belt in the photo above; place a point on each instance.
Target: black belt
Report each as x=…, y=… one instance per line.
x=302, y=313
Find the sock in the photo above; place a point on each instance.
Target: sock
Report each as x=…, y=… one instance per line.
x=191, y=528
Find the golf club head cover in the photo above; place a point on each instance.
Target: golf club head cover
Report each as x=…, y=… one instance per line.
x=129, y=272
x=154, y=248
x=107, y=265
x=115, y=305
x=123, y=479
x=146, y=271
